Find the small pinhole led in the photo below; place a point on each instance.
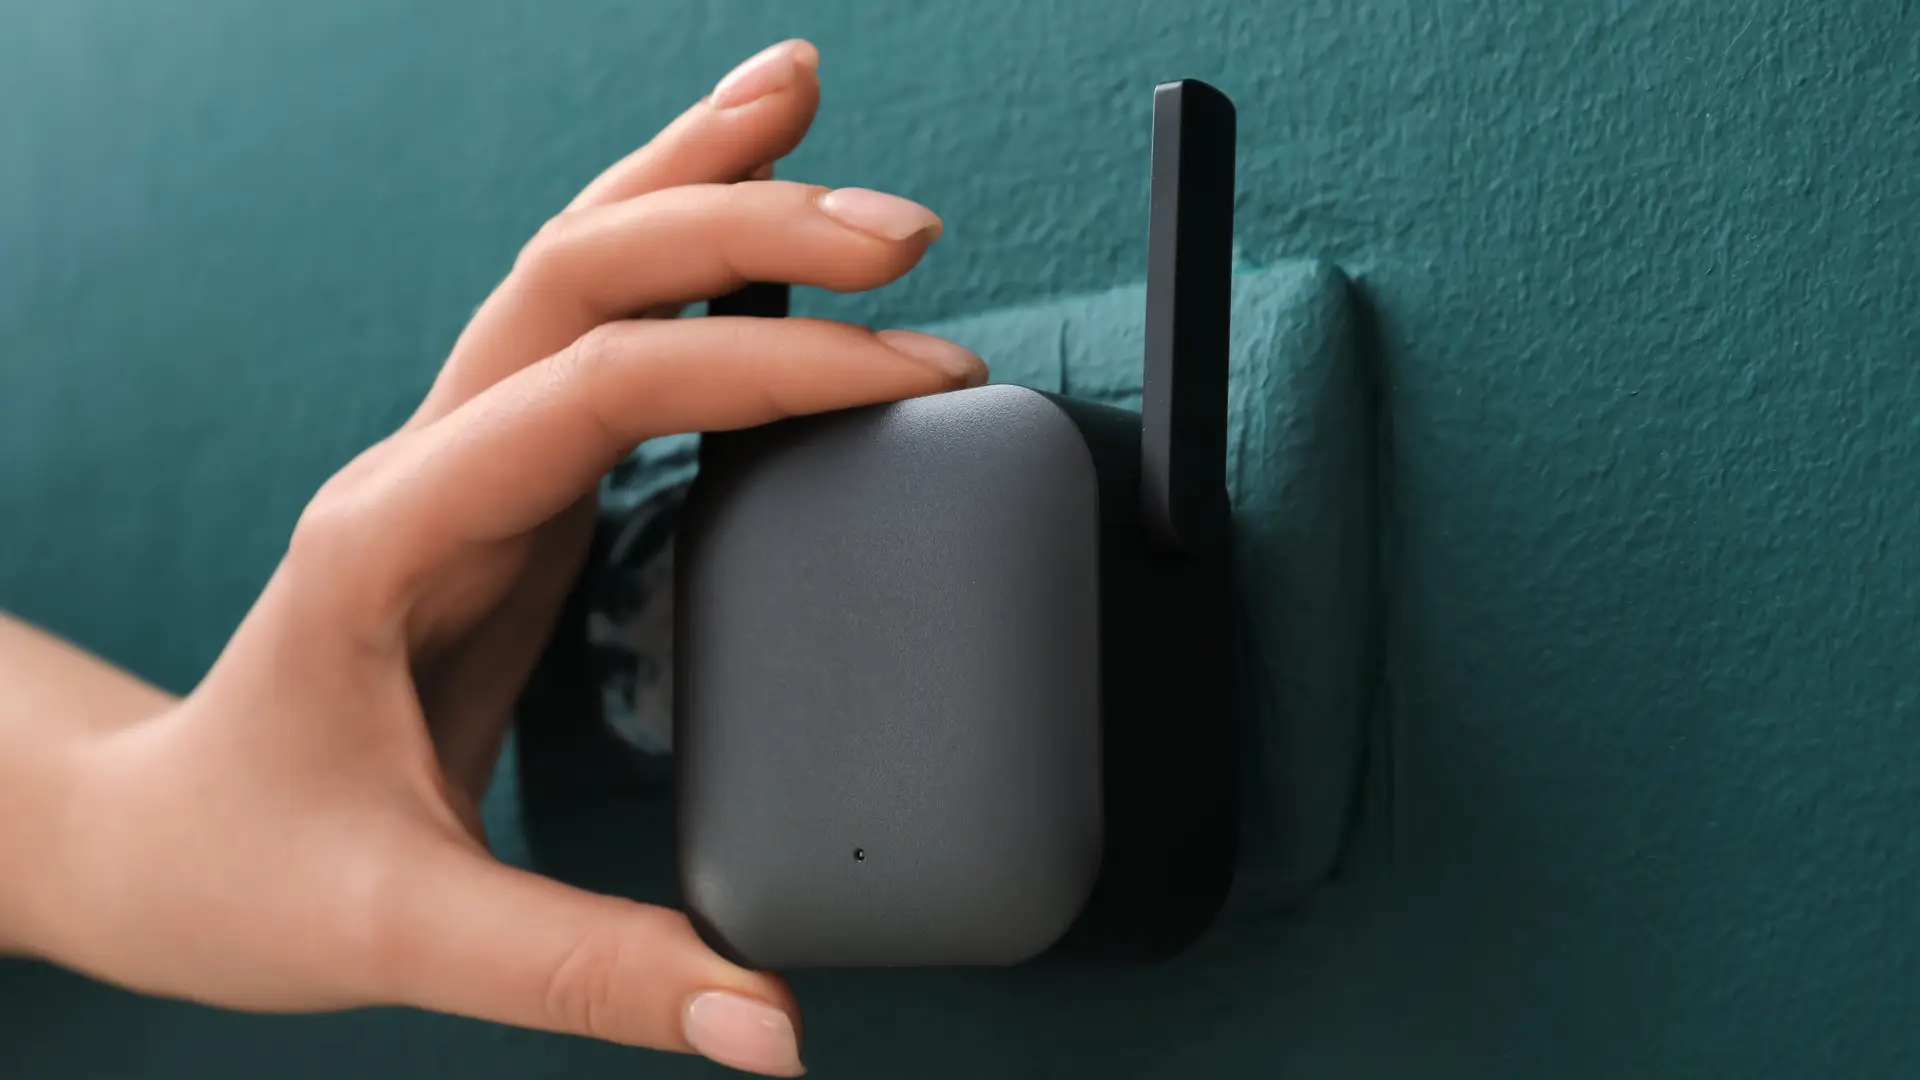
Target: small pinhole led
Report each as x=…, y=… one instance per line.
x=859, y=854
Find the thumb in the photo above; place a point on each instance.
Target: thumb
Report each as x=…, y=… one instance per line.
x=467, y=935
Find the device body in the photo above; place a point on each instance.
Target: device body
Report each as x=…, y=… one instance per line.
x=953, y=676
x=938, y=703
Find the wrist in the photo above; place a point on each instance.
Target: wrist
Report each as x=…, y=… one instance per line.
x=38, y=778
x=57, y=705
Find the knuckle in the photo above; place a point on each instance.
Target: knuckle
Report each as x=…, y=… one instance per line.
x=547, y=250
x=583, y=366
x=327, y=527
x=583, y=991
x=334, y=551
x=592, y=350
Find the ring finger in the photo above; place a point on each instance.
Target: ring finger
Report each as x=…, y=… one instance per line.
x=755, y=115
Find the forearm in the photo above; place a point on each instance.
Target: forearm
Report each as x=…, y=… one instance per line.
x=50, y=688
x=54, y=698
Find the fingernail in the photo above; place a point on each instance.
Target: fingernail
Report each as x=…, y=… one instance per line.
x=953, y=359
x=770, y=69
x=764, y=172
x=742, y=1033
x=889, y=217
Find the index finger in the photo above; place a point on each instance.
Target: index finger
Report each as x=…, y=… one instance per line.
x=539, y=440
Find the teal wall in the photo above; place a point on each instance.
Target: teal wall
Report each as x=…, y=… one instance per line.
x=1643, y=281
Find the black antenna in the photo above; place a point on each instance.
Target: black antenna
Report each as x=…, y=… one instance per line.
x=1183, y=444
x=761, y=299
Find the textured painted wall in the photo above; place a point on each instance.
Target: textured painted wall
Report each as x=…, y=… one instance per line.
x=1643, y=278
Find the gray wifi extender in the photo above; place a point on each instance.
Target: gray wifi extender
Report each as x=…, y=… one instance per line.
x=954, y=676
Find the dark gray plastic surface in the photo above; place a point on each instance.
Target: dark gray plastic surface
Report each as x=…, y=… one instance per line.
x=888, y=707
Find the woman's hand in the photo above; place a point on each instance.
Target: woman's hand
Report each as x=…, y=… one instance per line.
x=301, y=832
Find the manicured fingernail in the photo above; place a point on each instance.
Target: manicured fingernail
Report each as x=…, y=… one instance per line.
x=770, y=69
x=742, y=1033
x=889, y=217
x=959, y=362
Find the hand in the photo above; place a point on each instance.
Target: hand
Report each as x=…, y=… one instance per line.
x=301, y=833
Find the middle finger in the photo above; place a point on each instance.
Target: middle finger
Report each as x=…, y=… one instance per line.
x=676, y=246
